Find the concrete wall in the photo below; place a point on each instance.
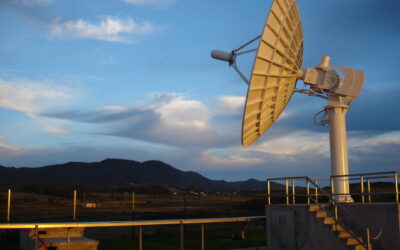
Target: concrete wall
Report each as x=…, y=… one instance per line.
x=294, y=227
x=379, y=217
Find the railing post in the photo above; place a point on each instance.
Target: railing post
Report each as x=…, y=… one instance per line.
x=362, y=189
x=336, y=216
x=396, y=186
x=68, y=239
x=9, y=205
x=293, y=192
x=36, y=237
x=268, y=192
x=368, y=239
x=287, y=191
x=74, y=212
x=332, y=189
x=316, y=191
x=202, y=237
x=369, y=190
x=182, y=236
x=140, y=238
x=308, y=192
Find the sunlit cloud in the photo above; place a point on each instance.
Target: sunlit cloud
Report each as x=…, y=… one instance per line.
x=113, y=109
x=182, y=112
x=7, y=149
x=31, y=97
x=231, y=104
x=55, y=131
x=110, y=29
x=230, y=160
x=295, y=143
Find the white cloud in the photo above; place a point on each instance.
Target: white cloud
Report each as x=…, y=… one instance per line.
x=295, y=143
x=31, y=97
x=109, y=29
x=32, y=2
x=55, y=131
x=231, y=160
x=156, y=3
x=113, y=109
x=232, y=104
x=182, y=112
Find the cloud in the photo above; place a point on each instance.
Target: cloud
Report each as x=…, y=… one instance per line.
x=169, y=119
x=295, y=143
x=32, y=2
x=156, y=3
x=110, y=28
x=7, y=149
x=231, y=160
x=55, y=131
x=31, y=97
x=181, y=112
x=232, y=104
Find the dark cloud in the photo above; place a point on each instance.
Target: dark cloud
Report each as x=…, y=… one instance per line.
x=147, y=125
x=101, y=116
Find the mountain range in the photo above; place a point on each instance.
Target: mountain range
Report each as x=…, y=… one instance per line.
x=120, y=173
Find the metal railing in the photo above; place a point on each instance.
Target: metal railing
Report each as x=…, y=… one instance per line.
x=290, y=196
x=139, y=224
x=365, y=231
x=365, y=182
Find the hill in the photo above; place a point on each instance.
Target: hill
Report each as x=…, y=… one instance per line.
x=119, y=173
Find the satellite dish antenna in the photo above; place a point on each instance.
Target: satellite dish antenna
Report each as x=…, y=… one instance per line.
x=276, y=69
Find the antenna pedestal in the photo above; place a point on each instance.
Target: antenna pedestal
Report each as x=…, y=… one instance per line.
x=336, y=111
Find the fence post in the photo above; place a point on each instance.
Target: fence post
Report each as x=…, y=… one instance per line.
x=287, y=191
x=140, y=238
x=202, y=237
x=36, y=237
x=9, y=205
x=182, y=236
x=68, y=239
x=74, y=212
x=362, y=188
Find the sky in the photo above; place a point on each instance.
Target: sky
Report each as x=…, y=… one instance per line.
x=86, y=80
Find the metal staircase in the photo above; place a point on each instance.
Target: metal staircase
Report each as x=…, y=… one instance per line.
x=349, y=236
x=342, y=222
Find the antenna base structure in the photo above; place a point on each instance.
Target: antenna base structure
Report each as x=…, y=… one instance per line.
x=326, y=82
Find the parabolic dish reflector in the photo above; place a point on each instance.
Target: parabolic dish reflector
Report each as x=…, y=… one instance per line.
x=275, y=70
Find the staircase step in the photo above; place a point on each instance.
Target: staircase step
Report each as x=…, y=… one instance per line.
x=337, y=227
x=329, y=221
x=313, y=208
x=321, y=214
x=352, y=241
x=361, y=247
x=344, y=234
